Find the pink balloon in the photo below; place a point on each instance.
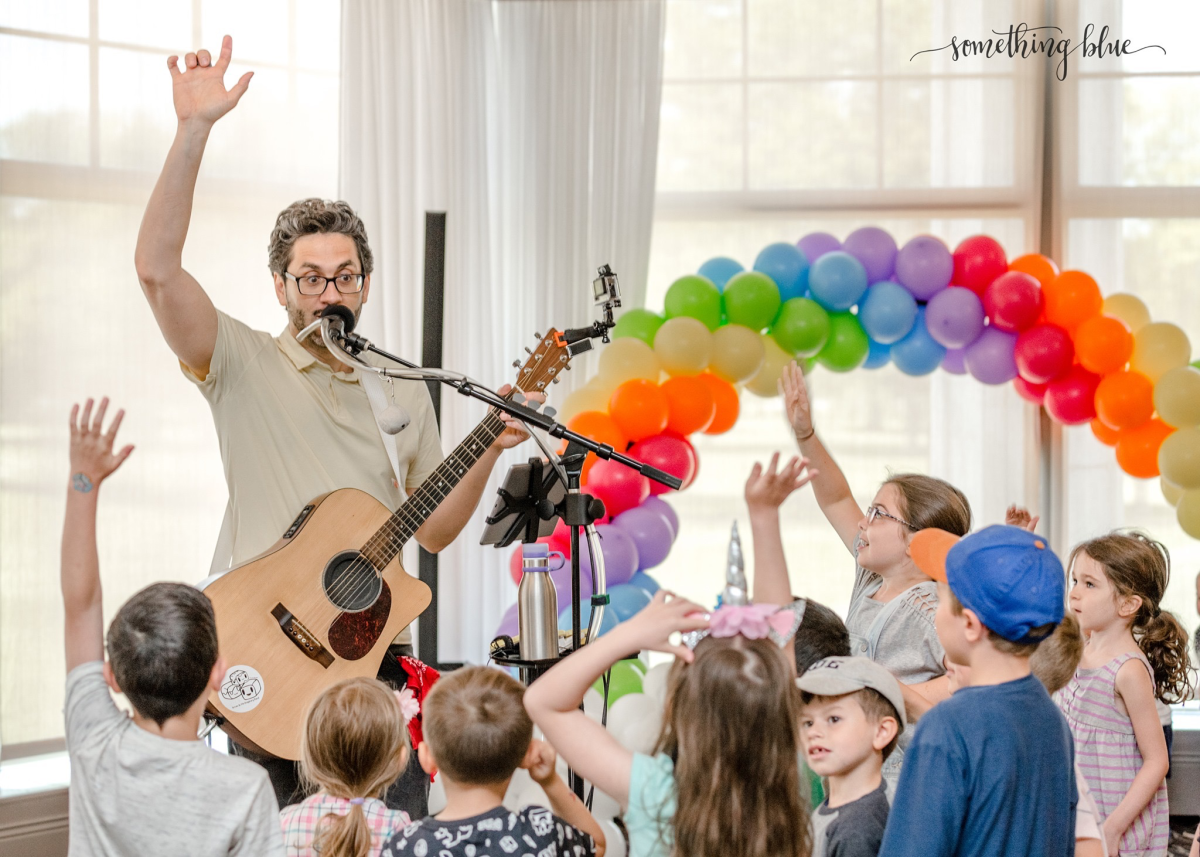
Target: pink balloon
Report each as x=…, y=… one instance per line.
x=1071, y=398
x=1043, y=353
x=669, y=453
x=617, y=486
x=1013, y=301
x=1035, y=393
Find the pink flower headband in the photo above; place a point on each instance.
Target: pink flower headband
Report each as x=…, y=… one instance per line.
x=752, y=621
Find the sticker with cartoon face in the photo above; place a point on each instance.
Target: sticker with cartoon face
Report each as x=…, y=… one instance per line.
x=242, y=689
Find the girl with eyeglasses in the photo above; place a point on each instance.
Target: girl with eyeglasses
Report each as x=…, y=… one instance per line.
x=892, y=606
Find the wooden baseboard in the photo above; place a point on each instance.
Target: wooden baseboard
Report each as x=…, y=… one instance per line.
x=34, y=825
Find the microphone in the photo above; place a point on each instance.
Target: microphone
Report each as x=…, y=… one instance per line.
x=340, y=320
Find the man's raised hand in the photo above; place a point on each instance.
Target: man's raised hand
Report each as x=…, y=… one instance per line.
x=199, y=90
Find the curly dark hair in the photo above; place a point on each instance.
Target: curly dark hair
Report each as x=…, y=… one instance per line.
x=315, y=217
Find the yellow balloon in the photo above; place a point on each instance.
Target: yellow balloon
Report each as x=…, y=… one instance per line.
x=1177, y=397
x=1188, y=513
x=1170, y=491
x=683, y=345
x=1179, y=458
x=765, y=382
x=737, y=353
x=1158, y=348
x=592, y=396
x=627, y=358
x=1128, y=308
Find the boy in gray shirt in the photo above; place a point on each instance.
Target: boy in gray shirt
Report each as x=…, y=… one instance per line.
x=145, y=784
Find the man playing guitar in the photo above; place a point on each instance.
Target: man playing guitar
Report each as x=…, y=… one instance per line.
x=293, y=421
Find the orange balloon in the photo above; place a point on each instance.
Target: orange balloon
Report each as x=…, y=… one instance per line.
x=1072, y=298
x=600, y=427
x=1037, y=266
x=1103, y=344
x=690, y=404
x=726, y=397
x=1124, y=400
x=1104, y=434
x=639, y=409
x=1137, y=448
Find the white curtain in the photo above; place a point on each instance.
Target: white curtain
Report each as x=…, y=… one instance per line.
x=534, y=125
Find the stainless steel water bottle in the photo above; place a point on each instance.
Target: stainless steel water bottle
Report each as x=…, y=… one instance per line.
x=537, y=604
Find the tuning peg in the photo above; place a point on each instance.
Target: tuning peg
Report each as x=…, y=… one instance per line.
x=516, y=364
x=555, y=381
x=537, y=336
x=567, y=367
x=528, y=351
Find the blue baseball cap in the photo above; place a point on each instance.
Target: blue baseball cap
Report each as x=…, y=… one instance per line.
x=1005, y=575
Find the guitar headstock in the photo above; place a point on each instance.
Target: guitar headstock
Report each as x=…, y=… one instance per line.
x=546, y=362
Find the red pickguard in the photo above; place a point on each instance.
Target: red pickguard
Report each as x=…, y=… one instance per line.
x=352, y=635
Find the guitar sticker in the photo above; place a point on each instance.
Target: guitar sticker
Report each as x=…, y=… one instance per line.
x=242, y=689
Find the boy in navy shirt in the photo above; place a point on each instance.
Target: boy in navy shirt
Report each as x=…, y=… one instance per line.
x=990, y=771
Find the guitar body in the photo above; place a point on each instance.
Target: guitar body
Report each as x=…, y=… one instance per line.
x=307, y=613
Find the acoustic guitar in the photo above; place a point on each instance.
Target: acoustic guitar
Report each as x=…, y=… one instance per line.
x=324, y=602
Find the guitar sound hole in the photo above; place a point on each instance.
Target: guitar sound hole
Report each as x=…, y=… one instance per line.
x=351, y=582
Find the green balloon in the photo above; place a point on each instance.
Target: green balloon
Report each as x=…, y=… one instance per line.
x=1196, y=363
x=625, y=679
x=848, y=343
x=751, y=299
x=694, y=296
x=801, y=328
x=638, y=324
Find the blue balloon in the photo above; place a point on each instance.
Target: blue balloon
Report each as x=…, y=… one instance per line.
x=918, y=353
x=888, y=312
x=787, y=266
x=645, y=581
x=720, y=269
x=837, y=280
x=607, y=622
x=626, y=600
x=879, y=356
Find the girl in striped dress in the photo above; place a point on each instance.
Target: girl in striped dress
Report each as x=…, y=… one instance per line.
x=1135, y=652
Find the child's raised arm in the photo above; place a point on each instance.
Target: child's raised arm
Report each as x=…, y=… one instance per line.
x=553, y=700
x=1137, y=692
x=765, y=492
x=563, y=802
x=92, y=460
x=1019, y=516
x=830, y=488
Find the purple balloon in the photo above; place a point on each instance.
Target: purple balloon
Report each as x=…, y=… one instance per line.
x=651, y=534
x=508, y=625
x=954, y=317
x=816, y=244
x=990, y=357
x=924, y=266
x=561, y=578
x=662, y=507
x=875, y=248
x=620, y=556
x=953, y=361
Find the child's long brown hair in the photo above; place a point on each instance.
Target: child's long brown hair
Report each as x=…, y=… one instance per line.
x=1137, y=565
x=355, y=745
x=730, y=725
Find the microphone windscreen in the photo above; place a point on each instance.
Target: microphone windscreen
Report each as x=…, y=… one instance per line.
x=394, y=419
x=340, y=312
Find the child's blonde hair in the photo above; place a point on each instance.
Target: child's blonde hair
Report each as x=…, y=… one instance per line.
x=355, y=746
x=476, y=726
x=730, y=726
x=1057, y=657
x=1139, y=566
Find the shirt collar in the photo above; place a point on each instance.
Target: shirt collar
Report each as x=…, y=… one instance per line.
x=302, y=359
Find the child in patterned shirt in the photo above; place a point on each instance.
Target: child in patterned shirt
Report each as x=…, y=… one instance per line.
x=476, y=736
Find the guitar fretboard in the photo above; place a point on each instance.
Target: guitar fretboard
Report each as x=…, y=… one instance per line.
x=387, y=541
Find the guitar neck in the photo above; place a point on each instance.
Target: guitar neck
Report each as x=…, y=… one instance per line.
x=388, y=540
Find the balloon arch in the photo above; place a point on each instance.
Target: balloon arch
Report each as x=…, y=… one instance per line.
x=864, y=303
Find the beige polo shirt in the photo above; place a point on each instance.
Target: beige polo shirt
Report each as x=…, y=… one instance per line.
x=291, y=429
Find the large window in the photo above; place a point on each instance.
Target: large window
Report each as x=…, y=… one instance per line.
x=85, y=123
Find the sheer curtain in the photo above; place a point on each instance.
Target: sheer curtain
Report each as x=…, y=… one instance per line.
x=534, y=126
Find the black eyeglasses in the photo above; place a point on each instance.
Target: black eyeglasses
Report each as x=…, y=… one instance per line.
x=315, y=284
x=874, y=512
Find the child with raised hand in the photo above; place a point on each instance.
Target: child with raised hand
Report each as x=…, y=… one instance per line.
x=476, y=736
x=723, y=778
x=893, y=603
x=355, y=745
x=1134, y=653
x=145, y=784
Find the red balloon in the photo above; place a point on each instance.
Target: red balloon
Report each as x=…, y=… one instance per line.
x=619, y=487
x=977, y=261
x=1071, y=398
x=1035, y=393
x=1043, y=353
x=560, y=539
x=1013, y=301
x=514, y=561
x=673, y=455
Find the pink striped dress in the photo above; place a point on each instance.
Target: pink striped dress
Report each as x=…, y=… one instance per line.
x=1107, y=753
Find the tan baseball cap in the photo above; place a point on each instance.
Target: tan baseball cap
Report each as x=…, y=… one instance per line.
x=840, y=675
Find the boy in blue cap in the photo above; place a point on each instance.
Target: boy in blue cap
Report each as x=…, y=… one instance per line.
x=990, y=770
